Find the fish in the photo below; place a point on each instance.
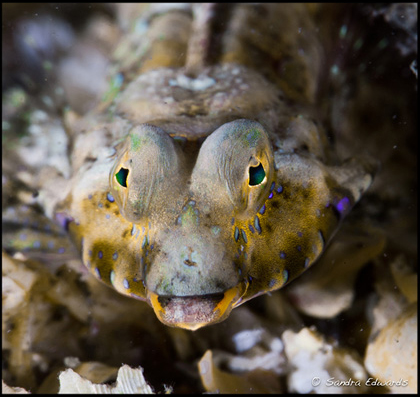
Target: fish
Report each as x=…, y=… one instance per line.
x=208, y=178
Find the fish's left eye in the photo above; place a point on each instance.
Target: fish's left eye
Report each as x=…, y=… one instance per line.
x=256, y=175
x=121, y=176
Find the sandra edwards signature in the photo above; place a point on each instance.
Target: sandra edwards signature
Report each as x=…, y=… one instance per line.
x=316, y=381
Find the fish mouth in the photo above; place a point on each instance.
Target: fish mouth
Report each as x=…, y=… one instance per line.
x=194, y=312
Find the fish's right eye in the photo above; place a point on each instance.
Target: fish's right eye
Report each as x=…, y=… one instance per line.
x=256, y=175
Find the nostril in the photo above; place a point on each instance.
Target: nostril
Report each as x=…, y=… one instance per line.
x=190, y=263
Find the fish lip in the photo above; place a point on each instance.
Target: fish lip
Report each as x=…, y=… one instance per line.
x=197, y=311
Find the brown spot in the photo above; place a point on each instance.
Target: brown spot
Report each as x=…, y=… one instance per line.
x=190, y=263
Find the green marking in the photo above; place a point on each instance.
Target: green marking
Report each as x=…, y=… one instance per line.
x=190, y=216
x=252, y=137
x=114, y=88
x=383, y=43
x=17, y=98
x=334, y=70
x=136, y=141
x=343, y=31
x=47, y=65
x=358, y=44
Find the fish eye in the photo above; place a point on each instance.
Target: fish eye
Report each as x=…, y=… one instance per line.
x=256, y=175
x=121, y=176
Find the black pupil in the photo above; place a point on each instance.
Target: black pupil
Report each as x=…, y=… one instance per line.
x=121, y=176
x=256, y=175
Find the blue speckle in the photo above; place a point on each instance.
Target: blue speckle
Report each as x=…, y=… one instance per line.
x=272, y=283
x=112, y=277
x=23, y=236
x=37, y=244
x=262, y=210
x=279, y=189
x=61, y=250
x=285, y=276
x=118, y=80
x=90, y=253
x=282, y=255
x=299, y=248
x=100, y=205
x=90, y=197
x=343, y=205
x=244, y=236
x=306, y=262
x=107, y=216
x=100, y=254
x=97, y=272
x=110, y=198
x=272, y=186
x=270, y=195
x=115, y=256
x=321, y=237
x=63, y=220
x=51, y=244
x=257, y=224
x=232, y=222
x=236, y=234
x=143, y=244
x=126, y=284
x=251, y=228
x=300, y=234
x=133, y=230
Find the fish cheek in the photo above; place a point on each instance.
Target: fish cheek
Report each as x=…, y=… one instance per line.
x=295, y=226
x=108, y=246
x=114, y=266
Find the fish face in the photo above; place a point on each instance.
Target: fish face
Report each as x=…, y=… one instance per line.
x=196, y=238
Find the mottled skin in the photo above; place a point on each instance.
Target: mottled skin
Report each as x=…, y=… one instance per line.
x=207, y=183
